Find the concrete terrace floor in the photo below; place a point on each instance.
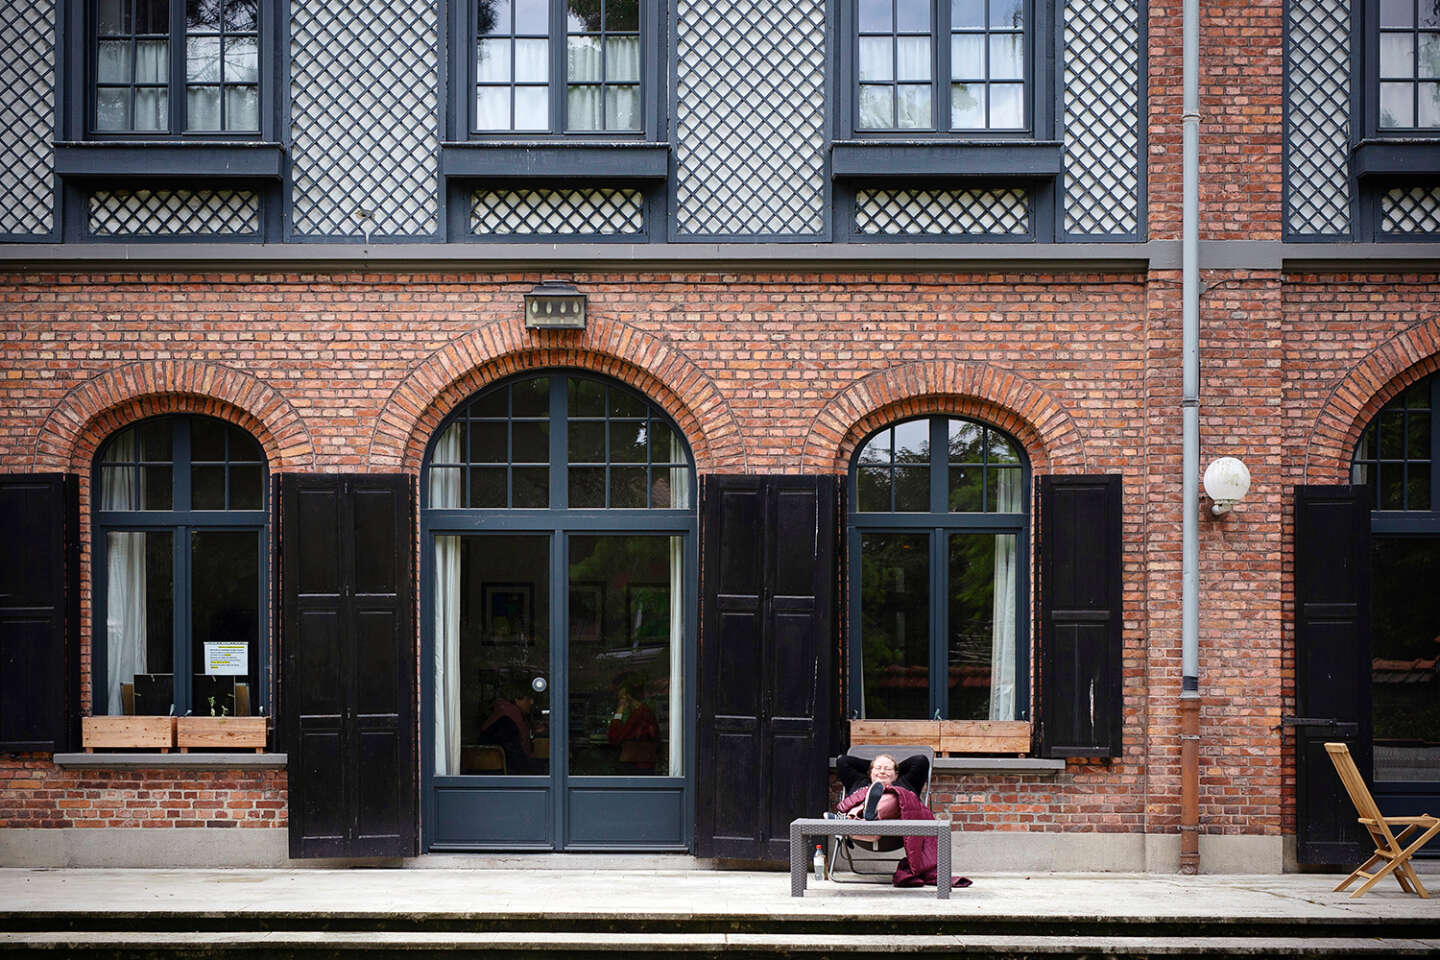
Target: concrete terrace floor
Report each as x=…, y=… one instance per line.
x=655, y=886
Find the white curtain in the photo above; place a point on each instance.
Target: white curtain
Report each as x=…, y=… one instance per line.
x=445, y=492
x=125, y=612
x=679, y=476
x=1002, y=642
x=677, y=656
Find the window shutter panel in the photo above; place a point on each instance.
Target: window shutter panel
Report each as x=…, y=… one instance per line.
x=348, y=649
x=767, y=630
x=1080, y=611
x=1332, y=665
x=39, y=615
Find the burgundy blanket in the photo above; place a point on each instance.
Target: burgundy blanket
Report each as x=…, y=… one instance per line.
x=917, y=867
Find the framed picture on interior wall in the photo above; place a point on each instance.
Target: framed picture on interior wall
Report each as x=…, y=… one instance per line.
x=509, y=613
x=587, y=611
x=647, y=613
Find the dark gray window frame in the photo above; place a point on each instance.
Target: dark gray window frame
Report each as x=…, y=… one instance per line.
x=1042, y=40
x=938, y=522
x=461, y=107
x=76, y=53
x=86, y=160
x=559, y=522
x=554, y=159
x=940, y=158
x=1381, y=159
x=181, y=524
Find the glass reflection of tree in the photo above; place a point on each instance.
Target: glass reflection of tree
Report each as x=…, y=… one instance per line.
x=1406, y=629
x=894, y=580
x=972, y=623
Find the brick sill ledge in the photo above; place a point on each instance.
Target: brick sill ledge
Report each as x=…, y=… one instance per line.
x=177, y=761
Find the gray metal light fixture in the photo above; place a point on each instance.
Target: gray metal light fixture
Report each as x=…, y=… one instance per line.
x=555, y=306
x=1227, y=480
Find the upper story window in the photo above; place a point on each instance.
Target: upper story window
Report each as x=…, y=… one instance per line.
x=163, y=67
x=1409, y=65
x=943, y=66
x=560, y=66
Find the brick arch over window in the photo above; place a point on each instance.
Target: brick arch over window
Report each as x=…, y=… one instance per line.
x=450, y=375
x=999, y=397
x=1375, y=381
x=101, y=405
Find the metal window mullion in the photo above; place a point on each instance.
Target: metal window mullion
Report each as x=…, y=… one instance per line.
x=177, y=51
x=180, y=495
x=1434, y=440
x=559, y=119
x=939, y=465
x=559, y=443
x=181, y=610
x=939, y=621
x=942, y=24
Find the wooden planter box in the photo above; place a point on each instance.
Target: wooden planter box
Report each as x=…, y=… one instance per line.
x=946, y=736
x=212, y=733
x=154, y=733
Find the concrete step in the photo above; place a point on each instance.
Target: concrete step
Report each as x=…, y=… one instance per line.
x=378, y=944
x=825, y=924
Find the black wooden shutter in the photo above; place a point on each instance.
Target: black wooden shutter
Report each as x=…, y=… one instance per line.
x=1079, y=645
x=348, y=648
x=39, y=614
x=1332, y=665
x=767, y=629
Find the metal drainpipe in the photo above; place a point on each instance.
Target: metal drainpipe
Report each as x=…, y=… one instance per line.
x=1190, y=450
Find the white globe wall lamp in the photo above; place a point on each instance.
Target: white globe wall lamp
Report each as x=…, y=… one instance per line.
x=1227, y=480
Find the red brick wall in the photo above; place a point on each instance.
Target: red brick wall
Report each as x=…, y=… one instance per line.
x=785, y=372
x=36, y=793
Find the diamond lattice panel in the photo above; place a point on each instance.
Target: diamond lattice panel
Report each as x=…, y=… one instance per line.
x=363, y=86
x=1317, y=129
x=27, y=117
x=1102, y=118
x=549, y=212
x=1410, y=210
x=947, y=212
x=750, y=118
x=174, y=213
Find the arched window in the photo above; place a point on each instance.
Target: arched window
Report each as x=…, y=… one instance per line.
x=1395, y=457
x=559, y=533
x=180, y=550
x=938, y=549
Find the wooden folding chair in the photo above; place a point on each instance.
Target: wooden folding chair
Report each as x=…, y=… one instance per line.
x=1387, y=845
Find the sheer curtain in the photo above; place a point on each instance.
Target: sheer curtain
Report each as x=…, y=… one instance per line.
x=677, y=656
x=125, y=613
x=1002, y=642
x=445, y=492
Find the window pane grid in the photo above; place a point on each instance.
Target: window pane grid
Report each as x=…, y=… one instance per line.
x=132, y=66
x=987, y=47
x=603, y=64
x=512, y=65
x=622, y=451
x=222, y=68
x=1409, y=64
x=1396, y=450
x=618, y=461
x=895, y=65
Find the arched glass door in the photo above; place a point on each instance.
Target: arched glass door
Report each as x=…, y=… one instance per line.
x=558, y=607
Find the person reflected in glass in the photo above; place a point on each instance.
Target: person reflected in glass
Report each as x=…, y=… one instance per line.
x=508, y=727
x=633, y=727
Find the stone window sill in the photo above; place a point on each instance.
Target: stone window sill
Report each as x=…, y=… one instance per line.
x=175, y=761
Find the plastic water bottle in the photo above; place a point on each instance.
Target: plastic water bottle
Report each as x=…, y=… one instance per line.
x=819, y=863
